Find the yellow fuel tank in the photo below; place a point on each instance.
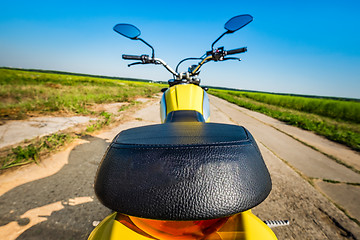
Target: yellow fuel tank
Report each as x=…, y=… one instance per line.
x=185, y=97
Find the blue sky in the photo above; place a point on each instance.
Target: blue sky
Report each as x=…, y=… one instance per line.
x=303, y=47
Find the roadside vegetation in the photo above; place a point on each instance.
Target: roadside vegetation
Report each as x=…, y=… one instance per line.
x=31, y=152
x=25, y=94
x=336, y=120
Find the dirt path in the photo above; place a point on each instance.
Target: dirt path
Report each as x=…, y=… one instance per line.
x=55, y=200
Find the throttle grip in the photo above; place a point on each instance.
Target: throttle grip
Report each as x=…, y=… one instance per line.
x=237, y=50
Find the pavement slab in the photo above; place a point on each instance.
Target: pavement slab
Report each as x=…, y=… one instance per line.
x=13, y=132
x=348, y=196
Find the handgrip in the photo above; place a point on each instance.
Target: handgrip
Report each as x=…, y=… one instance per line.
x=131, y=57
x=237, y=50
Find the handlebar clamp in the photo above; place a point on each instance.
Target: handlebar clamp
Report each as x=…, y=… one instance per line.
x=145, y=58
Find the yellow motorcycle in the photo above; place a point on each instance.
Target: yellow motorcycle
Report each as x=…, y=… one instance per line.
x=186, y=178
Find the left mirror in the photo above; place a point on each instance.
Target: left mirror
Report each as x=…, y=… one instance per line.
x=127, y=30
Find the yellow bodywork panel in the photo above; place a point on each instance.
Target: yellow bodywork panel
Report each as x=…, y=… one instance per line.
x=110, y=229
x=184, y=97
x=243, y=226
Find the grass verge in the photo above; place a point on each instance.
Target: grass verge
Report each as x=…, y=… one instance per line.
x=107, y=119
x=22, y=155
x=335, y=129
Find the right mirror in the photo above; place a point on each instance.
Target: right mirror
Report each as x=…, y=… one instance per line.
x=238, y=22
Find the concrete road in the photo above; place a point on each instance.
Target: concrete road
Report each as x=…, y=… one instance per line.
x=55, y=200
x=300, y=193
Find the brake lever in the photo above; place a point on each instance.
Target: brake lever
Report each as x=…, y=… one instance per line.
x=135, y=63
x=231, y=58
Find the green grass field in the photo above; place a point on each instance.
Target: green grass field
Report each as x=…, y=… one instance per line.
x=23, y=93
x=335, y=109
x=337, y=120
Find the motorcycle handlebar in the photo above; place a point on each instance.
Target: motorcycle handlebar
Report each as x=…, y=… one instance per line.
x=237, y=50
x=215, y=56
x=131, y=57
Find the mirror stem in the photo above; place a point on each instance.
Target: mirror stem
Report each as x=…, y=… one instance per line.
x=212, y=46
x=153, y=52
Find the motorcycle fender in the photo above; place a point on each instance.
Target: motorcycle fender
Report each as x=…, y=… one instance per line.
x=244, y=226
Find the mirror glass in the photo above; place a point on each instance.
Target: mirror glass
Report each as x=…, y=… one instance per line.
x=238, y=22
x=127, y=30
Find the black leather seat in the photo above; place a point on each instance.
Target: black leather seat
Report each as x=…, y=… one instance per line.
x=183, y=171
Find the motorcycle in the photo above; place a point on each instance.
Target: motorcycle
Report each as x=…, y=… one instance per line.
x=186, y=178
